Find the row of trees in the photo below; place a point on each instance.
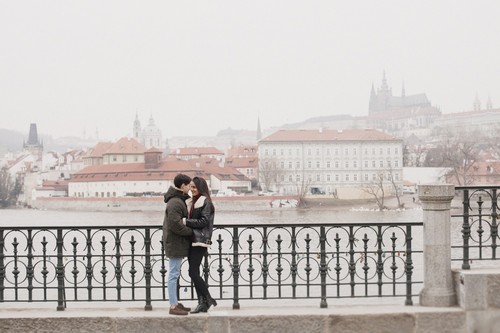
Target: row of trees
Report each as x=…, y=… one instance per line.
x=459, y=151
x=9, y=189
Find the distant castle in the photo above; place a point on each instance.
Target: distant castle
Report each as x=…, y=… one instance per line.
x=382, y=100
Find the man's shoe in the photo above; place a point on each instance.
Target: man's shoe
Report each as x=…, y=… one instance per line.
x=183, y=307
x=177, y=311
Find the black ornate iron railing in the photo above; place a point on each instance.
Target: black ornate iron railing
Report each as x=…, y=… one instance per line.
x=292, y=261
x=478, y=221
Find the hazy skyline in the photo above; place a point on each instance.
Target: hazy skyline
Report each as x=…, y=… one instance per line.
x=201, y=66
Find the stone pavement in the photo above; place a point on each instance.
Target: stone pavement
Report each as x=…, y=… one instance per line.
x=276, y=316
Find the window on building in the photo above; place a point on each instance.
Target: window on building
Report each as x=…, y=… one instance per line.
x=309, y=152
x=282, y=165
x=297, y=164
x=297, y=178
x=355, y=177
x=366, y=177
x=388, y=151
x=290, y=178
x=346, y=151
x=317, y=164
x=328, y=178
x=282, y=152
x=354, y=164
x=381, y=163
x=274, y=152
x=289, y=165
x=317, y=152
x=336, y=178
x=318, y=178
x=337, y=164
x=347, y=177
x=396, y=150
x=381, y=151
x=347, y=164
x=354, y=151
x=309, y=165
x=328, y=164
x=366, y=164
x=266, y=152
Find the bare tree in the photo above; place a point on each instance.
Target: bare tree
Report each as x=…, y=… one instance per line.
x=460, y=152
x=395, y=184
x=270, y=172
x=376, y=189
x=9, y=190
x=302, y=189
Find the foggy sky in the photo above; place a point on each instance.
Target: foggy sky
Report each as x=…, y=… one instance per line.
x=201, y=66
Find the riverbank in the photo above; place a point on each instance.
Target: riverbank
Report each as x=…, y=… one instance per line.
x=236, y=203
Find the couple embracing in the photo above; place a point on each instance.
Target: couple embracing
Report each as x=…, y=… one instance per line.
x=187, y=232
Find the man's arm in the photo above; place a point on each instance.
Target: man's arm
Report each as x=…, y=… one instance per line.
x=175, y=224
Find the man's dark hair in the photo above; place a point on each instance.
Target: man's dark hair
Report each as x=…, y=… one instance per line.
x=181, y=179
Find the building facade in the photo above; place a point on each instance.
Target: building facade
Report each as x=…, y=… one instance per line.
x=333, y=162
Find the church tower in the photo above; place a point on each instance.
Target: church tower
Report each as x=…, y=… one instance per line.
x=34, y=146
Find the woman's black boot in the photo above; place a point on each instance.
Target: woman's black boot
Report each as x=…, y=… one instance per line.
x=209, y=301
x=202, y=305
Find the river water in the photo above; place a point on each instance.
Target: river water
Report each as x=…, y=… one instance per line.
x=33, y=217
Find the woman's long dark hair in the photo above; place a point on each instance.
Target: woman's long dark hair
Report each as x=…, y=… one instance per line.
x=202, y=186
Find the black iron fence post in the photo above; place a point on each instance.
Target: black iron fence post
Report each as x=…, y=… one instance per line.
x=60, y=271
x=236, y=268
x=147, y=269
x=408, y=266
x=323, y=268
x=466, y=231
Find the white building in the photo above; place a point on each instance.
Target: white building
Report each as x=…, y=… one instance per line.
x=339, y=162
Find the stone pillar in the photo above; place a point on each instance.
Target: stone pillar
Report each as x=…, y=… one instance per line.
x=438, y=283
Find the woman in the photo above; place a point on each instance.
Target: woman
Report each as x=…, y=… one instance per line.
x=201, y=213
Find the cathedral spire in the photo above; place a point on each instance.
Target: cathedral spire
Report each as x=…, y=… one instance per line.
x=403, y=91
x=489, y=105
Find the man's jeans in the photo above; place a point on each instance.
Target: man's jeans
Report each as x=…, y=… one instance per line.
x=174, y=265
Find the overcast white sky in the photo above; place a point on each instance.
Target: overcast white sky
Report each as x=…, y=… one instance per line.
x=202, y=66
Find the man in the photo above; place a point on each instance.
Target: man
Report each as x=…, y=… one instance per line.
x=176, y=238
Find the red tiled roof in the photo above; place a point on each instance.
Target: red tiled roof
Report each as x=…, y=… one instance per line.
x=126, y=146
x=167, y=170
x=243, y=151
x=197, y=151
x=100, y=148
x=242, y=162
x=329, y=135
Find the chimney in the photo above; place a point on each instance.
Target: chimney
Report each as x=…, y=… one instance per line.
x=152, y=158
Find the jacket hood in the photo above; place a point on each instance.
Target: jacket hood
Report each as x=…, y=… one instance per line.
x=174, y=193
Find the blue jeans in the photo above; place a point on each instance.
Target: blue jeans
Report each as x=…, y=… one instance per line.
x=174, y=265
